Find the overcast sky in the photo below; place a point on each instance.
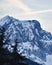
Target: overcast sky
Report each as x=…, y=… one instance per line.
x=40, y=10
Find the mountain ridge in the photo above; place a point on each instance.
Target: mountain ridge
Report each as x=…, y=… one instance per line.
x=34, y=42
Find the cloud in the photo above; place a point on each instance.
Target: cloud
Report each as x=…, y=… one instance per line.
x=20, y=5
x=36, y=12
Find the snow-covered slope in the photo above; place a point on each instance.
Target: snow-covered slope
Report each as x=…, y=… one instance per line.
x=32, y=41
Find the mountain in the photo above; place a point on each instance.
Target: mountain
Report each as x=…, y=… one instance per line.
x=32, y=41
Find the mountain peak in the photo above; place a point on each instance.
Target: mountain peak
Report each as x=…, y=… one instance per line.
x=5, y=20
x=6, y=17
x=33, y=41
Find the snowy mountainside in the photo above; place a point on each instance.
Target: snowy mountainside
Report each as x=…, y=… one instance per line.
x=32, y=41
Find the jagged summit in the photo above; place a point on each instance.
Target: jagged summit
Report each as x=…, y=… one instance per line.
x=8, y=19
x=33, y=42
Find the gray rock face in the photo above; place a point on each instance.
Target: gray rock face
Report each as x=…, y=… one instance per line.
x=32, y=41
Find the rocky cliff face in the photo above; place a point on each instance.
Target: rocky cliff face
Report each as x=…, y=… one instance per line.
x=32, y=41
